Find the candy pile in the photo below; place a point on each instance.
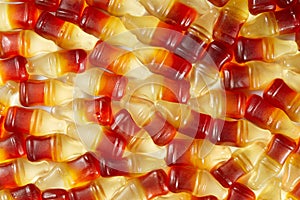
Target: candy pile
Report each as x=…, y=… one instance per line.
x=149, y=99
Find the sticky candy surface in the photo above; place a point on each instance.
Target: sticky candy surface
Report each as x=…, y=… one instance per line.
x=149, y=99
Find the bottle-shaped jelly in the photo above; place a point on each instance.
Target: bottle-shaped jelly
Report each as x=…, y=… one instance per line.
x=277, y=23
x=291, y=173
x=220, y=104
x=117, y=60
x=20, y=172
x=63, y=33
x=98, y=82
x=12, y=146
x=252, y=75
x=131, y=165
x=70, y=173
x=289, y=61
x=157, y=87
x=265, y=49
x=25, y=43
x=119, y=7
x=163, y=62
x=239, y=191
x=232, y=17
x=56, y=147
x=194, y=181
x=280, y=95
x=36, y=122
x=6, y=93
x=103, y=188
x=187, y=121
x=106, y=27
x=18, y=16
x=56, y=64
x=26, y=192
x=150, y=30
x=138, y=139
x=241, y=163
x=256, y=7
x=69, y=10
x=216, y=55
x=83, y=111
x=239, y=133
x=270, y=163
x=191, y=152
x=100, y=141
x=172, y=11
x=51, y=92
x=144, y=187
x=266, y=116
x=13, y=69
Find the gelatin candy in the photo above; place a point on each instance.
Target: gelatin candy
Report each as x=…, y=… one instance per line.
x=163, y=62
x=56, y=64
x=271, y=190
x=55, y=194
x=195, y=181
x=18, y=16
x=192, y=152
x=264, y=49
x=26, y=192
x=36, y=122
x=51, y=92
x=70, y=10
x=270, y=163
x=160, y=130
x=276, y=23
x=106, y=27
x=12, y=146
x=220, y=104
x=150, y=30
x=171, y=11
x=63, y=33
x=216, y=55
x=131, y=165
x=70, y=173
x=20, y=172
x=98, y=82
x=291, y=175
x=13, y=69
x=144, y=187
x=266, y=116
x=256, y=7
x=241, y=162
x=138, y=140
x=120, y=7
x=280, y=95
x=231, y=18
x=84, y=111
x=47, y=5
x=117, y=60
x=25, y=43
x=56, y=147
x=101, y=142
x=239, y=133
x=186, y=121
x=289, y=61
x=239, y=191
x=253, y=75
x=156, y=87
